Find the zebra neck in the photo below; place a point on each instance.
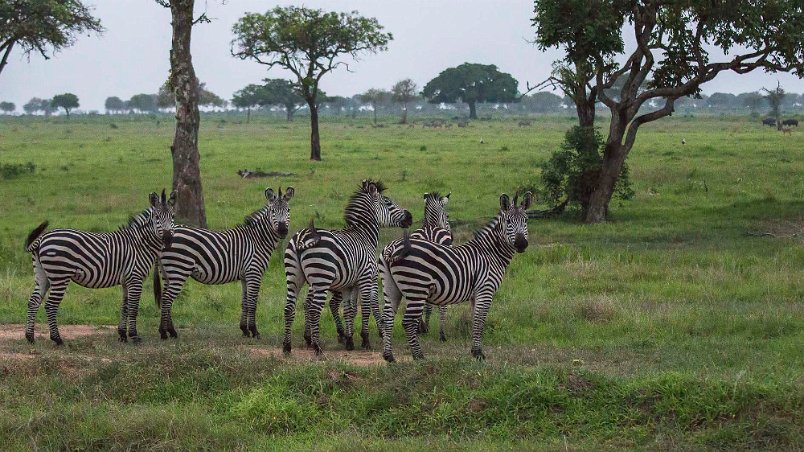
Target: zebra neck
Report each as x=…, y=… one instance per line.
x=490, y=241
x=142, y=236
x=263, y=238
x=367, y=232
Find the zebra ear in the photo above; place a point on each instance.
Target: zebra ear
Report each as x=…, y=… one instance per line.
x=445, y=199
x=289, y=192
x=269, y=195
x=153, y=198
x=426, y=195
x=527, y=199
x=505, y=202
x=372, y=189
x=172, y=199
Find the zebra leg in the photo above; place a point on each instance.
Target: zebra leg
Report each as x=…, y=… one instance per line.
x=253, y=291
x=442, y=322
x=319, y=298
x=349, y=314
x=308, y=300
x=133, y=292
x=369, y=304
x=479, y=314
x=121, y=327
x=244, y=309
x=293, y=284
x=424, y=323
x=334, y=308
x=410, y=322
x=54, y=298
x=41, y=286
x=391, y=298
x=173, y=286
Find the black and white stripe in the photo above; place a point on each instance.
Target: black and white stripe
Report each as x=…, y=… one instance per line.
x=426, y=272
x=435, y=227
x=220, y=257
x=340, y=261
x=98, y=260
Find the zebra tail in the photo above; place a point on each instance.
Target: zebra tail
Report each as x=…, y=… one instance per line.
x=157, y=286
x=402, y=251
x=29, y=242
x=309, y=237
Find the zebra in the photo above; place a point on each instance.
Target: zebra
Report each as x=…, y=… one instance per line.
x=340, y=261
x=98, y=260
x=423, y=271
x=220, y=257
x=435, y=227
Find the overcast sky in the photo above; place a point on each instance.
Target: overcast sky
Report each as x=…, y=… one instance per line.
x=131, y=56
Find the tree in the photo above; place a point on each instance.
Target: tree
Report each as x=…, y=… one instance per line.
x=670, y=54
x=751, y=100
x=722, y=101
x=114, y=104
x=67, y=101
x=281, y=92
x=7, y=107
x=375, y=98
x=542, y=102
x=403, y=92
x=309, y=43
x=184, y=85
x=249, y=97
x=774, y=99
x=32, y=106
x=46, y=106
x=143, y=103
x=207, y=98
x=471, y=83
x=45, y=26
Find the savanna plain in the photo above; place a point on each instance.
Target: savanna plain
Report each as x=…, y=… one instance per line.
x=677, y=324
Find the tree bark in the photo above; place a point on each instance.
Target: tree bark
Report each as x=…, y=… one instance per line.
x=315, y=141
x=613, y=159
x=472, y=110
x=405, y=114
x=248, y=115
x=586, y=113
x=374, y=111
x=186, y=169
x=289, y=113
x=9, y=45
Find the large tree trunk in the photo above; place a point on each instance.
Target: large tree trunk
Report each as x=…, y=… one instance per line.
x=405, y=114
x=289, y=113
x=315, y=141
x=472, y=110
x=613, y=159
x=186, y=169
x=586, y=113
x=374, y=111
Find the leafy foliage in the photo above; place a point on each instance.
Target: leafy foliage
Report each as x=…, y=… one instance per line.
x=570, y=173
x=774, y=99
x=144, y=102
x=12, y=170
x=67, y=101
x=7, y=107
x=44, y=26
x=471, y=83
x=114, y=104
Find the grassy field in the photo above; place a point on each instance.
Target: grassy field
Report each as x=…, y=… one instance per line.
x=679, y=323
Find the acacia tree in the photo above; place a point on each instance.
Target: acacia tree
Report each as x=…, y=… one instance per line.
x=184, y=84
x=308, y=43
x=375, y=97
x=281, y=92
x=249, y=97
x=144, y=103
x=7, y=107
x=44, y=26
x=669, y=55
x=471, y=83
x=67, y=101
x=403, y=92
x=774, y=98
x=114, y=105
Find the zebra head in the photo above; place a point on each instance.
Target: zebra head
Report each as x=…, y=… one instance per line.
x=278, y=212
x=514, y=221
x=435, y=213
x=161, y=218
x=387, y=211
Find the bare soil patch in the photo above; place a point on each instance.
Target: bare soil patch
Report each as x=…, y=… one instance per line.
x=16, y=331
x=356, y=357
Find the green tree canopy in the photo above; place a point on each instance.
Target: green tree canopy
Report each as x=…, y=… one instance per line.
x=67, y=101
x=774, y=100
x=542, y=102
x=309, y=43
x=403, y=92
x=7, y=107
x=143, y=102
x=250, y=97
x=471, y=83
x=283, y=93
x=376, y=98
x=670, y=59
x=44, y=26
x=114, y=104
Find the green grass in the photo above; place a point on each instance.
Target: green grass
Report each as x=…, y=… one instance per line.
x=670, y=326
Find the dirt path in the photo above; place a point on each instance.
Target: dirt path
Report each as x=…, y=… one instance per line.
x=16, y=331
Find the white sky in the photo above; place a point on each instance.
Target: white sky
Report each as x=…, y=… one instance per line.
x=131, y=56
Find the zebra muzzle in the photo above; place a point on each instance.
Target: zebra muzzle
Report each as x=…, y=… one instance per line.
x=520, y=243
x=407, y=220
x=282, y=230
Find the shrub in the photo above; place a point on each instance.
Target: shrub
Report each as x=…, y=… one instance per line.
x=12, y=170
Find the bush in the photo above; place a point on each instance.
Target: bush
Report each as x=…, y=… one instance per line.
x=571, y=173
x=9, y=171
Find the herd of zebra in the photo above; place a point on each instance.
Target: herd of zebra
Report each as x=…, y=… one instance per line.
x=424, y=266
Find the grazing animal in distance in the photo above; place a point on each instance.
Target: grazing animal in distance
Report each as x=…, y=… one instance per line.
x=790, y=122
x=769, y=122
x=683, y=141
x=98, y=260
x=787, y=131
x=340, y=261
x=219, y=257
x=426, y=272
x=525, y=123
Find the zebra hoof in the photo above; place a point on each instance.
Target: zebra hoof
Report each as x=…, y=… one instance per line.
x=122, y=338
x=423, y=327
x=256, y=335
x=478, y=354
x=308, y=340
x=317, y=349
x=57, y=340
x=418, y=356
x=163, y=334
x=388, y=357
x=136, y=340
x=442, y=337
x=350, y=343
x=29, y=337
x=341, y=337
x=173, y=333
x=286, y=348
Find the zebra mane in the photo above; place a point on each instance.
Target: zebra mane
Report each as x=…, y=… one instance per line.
x=434, y=195
x=353, y=200
x=252, y=218
x=136, y=221
x=488, y=228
